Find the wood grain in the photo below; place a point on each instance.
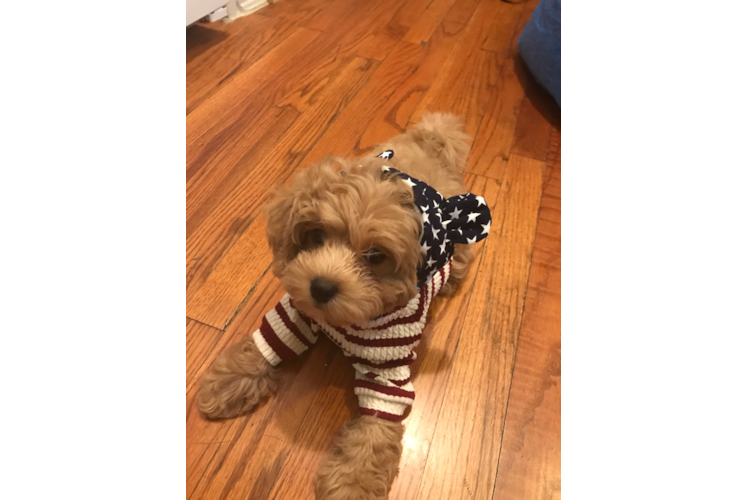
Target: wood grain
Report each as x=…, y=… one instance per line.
x=393, y=117
x=428, y=21
x=534, y=122
x=376, y=46
x=467, y=439
x=211, y=233
x=201, y=340
x=181, y=308
x=292, y=9
x=181, y=145
x=495, y=136
x=216, y=174
x=243, y=45
x=229, y=104
x=462, y=11
x=218, y=299
x=466, y=83
x=342, y=138
x=530, y=463
x=405, y=17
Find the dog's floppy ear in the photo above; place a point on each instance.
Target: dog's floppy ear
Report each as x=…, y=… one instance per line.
x=279, y=224
x=406, y=199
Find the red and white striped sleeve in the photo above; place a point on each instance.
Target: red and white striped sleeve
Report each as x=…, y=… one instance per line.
x=385, y=397
x=382, y=355
x=285, y=333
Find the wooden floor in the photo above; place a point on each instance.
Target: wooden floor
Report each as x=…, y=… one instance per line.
x=297, y=80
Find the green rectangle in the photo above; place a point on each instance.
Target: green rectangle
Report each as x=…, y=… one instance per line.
x=654, y=437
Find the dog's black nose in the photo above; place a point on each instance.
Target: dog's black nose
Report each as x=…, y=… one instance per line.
x=322, y=290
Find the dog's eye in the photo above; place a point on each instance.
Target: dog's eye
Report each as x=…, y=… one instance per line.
x=375, y=257
x=314, y=238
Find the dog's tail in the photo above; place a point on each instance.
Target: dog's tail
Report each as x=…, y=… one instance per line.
x=440, y=135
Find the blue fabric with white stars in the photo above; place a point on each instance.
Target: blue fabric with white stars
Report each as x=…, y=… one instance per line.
x=465, y=219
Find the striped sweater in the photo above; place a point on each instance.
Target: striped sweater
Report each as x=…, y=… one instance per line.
x=381, y=349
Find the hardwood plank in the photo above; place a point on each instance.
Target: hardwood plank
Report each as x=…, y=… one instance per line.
x=468, y=434
x=227, y=106
x=294, y=73
x=217, y=299
x=295, y=66
x=462, y=11
x=292, y=8
x=251, y=37
x=245, y=41
x=200, y=38
x=405, y=17
x=495, y=136
x=181, y=146
x=392, y=118
x=376, y=46
x=538, y=116
x=207, y=165
x=530, y=463
x=346, y=36
x=343, y=135
x=302, y=80
x=504, y=31
x=201, y=339
x=467, y=81
x=427, y=22
x=433, y=364
x=217, y=171
x=333, y=15
x=206, y=236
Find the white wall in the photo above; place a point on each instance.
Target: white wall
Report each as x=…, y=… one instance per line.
x=197, y=9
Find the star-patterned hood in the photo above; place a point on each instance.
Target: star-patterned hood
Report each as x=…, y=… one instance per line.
x=465, y=219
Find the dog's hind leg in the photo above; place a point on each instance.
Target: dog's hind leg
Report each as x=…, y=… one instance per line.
x=441, y=136
x=461, y=261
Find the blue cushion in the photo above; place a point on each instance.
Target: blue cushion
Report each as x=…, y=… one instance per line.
x=540, y=46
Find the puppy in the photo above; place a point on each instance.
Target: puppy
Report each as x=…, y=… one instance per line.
x=362, y=247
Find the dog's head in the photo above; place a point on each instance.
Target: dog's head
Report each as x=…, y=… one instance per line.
x=345, y=245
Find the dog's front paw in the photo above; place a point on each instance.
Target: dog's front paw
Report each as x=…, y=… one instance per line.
x=239, y=378
x=363, y=461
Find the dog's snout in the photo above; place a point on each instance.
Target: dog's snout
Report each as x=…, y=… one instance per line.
x=322, y=290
